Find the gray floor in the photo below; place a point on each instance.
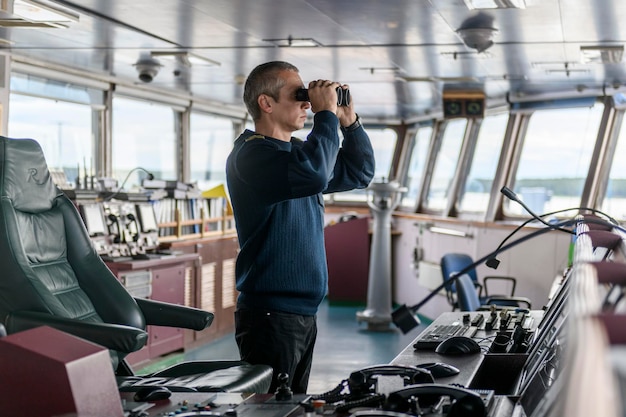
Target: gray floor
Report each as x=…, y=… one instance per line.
x=343, y=346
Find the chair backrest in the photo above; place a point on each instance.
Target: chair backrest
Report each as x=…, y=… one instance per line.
x=452, y=263
x=47, y=260
x=467, y=296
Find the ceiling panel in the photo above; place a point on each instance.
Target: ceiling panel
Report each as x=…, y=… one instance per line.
x=536, y=49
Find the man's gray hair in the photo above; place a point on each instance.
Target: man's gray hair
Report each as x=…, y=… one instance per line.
x=264, y=79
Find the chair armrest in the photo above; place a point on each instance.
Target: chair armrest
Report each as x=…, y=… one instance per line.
x=479, y=288
x=523, y=300
x=111, y=336
x=512, y=280
x=159, y=313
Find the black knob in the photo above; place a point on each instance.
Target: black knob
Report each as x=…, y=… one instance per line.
x=283, y=392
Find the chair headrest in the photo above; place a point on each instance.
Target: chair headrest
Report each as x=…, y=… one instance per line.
x=24, y=175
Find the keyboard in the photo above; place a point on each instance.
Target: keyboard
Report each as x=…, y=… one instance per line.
x=438, y=333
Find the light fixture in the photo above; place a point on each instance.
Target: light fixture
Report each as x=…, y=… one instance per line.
x=184, y=57
x=454, y=55
x=567, y=70
x=294, y=42
x=382, y=70
x=434, y=79
x=36, y=13
x=495, y=4
x=602, y=54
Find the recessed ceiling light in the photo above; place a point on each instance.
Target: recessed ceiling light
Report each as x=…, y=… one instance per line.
x=602, y=54
x=495, y=4
x=185, y=57
x=41, y=11
x=35, y=14
x=294, y=42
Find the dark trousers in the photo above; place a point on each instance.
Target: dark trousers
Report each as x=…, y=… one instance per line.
x=281, y=340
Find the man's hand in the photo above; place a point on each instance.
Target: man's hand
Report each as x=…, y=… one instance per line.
x=346, y=114
x=323, y=95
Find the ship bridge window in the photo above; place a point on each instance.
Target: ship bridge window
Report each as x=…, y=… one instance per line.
x=555, y=159
x=476, y=191
x=66, y=111
x=614, y=202
x=143, y=135
x=211, y=139
x=384, y=143
x=416, y=166
x=445, y=165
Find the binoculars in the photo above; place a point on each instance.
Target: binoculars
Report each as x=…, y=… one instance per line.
x=343, y=96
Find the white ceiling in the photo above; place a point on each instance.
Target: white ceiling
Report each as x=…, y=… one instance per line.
x=536, y=49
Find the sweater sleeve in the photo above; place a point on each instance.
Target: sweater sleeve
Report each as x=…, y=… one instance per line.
x=355, y=162
x=279, y=171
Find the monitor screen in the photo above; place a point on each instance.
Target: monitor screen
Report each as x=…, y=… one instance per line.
x=147, y=218
x=93, y=217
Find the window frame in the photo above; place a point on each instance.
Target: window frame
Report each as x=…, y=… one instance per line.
x=177, y=117
x=409, y=144
x=474, y=138
x=97, y=105
x=434, y=155
x=513, y=154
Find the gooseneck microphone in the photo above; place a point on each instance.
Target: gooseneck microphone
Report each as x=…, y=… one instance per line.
x=150, y=176
x=512, y=196
x=404, y=317
x=494, y=262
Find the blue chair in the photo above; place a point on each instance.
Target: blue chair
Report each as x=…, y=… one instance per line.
x=468, y=300
x=452, y=263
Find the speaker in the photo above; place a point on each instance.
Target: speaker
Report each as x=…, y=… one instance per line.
x=463, y=104
x=453, y=107
x=46, y=372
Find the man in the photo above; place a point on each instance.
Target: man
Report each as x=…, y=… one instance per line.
x=276, y=183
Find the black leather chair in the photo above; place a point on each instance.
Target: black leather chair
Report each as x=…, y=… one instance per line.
x=51, y=275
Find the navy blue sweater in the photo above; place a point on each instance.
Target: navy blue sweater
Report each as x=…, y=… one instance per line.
x=276, y=191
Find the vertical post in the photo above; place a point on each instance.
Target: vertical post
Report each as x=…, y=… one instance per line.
x=385, y=198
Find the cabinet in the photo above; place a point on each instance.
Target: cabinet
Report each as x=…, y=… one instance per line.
x=213, y=289
x=347, y=254
x=164, y=279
